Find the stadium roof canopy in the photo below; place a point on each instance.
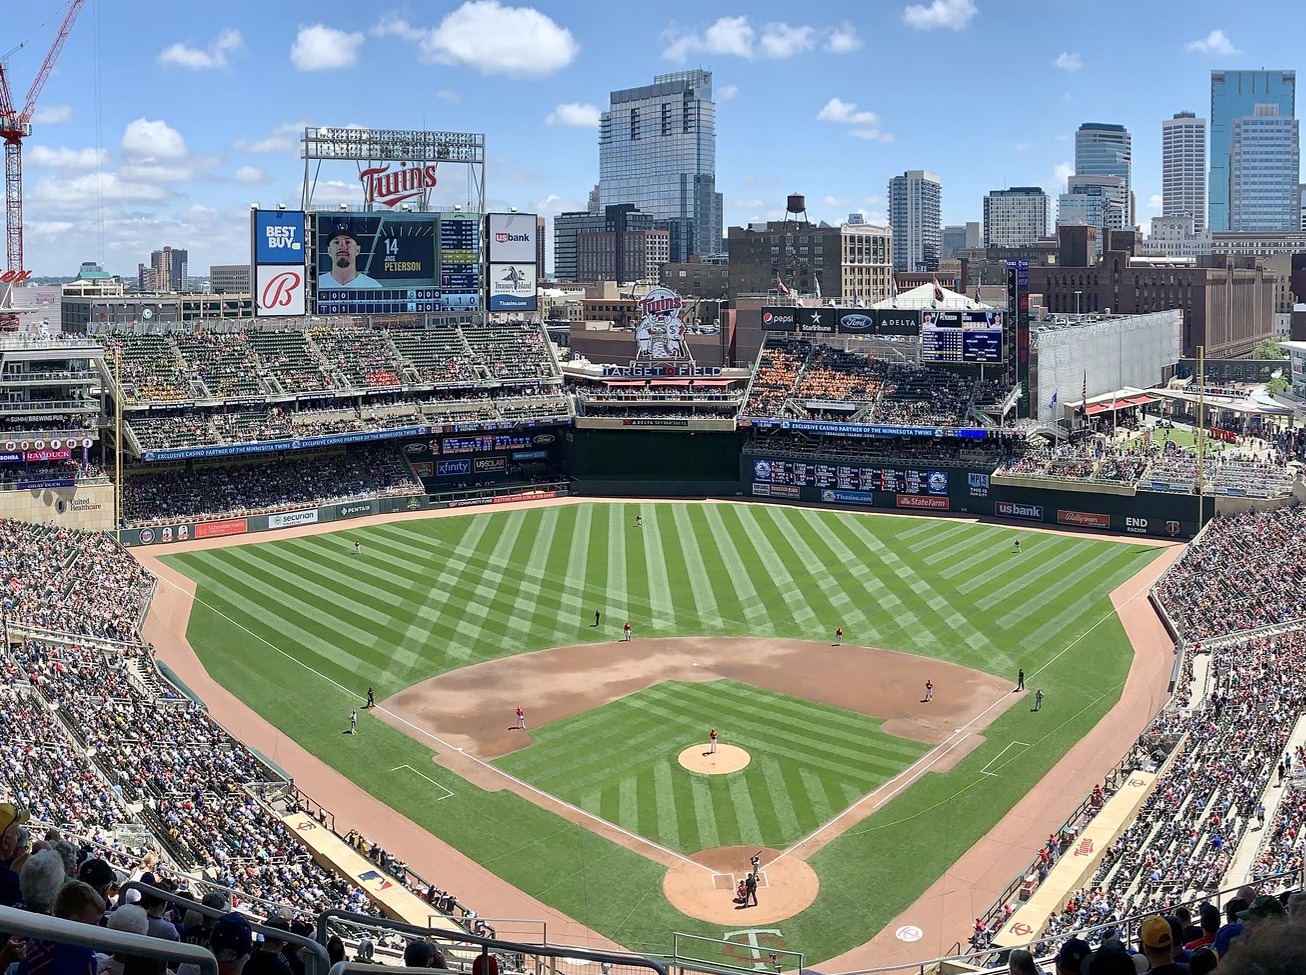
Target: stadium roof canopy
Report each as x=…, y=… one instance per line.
x=924, y=297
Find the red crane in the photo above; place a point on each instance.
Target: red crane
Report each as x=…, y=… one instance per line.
x=15, y=126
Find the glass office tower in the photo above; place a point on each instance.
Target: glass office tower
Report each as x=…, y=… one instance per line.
x=1264, y=167
x=1235, y=95
x=657, y=150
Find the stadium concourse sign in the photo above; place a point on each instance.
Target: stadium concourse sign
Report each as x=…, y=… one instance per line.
x=841, y=321
x=277, y=259
x=870, y=429
x=274, y=446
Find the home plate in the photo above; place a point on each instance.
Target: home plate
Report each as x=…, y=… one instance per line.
x=909, y=932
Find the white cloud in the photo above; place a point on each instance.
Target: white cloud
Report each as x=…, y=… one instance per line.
x=249, y=174
x=281, y=139
x=952, y=14
x=52, y=114
x=584, y=116
x=213, y=56
x=1155, y=202
x=748, y=204
x=843, y=40
x=492, y=38
x=90, y=189
x=838, y=110
x=726, y=92
x=862, y=124
x=153, y=139
x=1060, y=173
x=873, y=200
x=835, y=201
x=736, y=37
x=729, y=35
x=1023, y=146
x=780, y=40
x=1216, y=42
x=322, y=48
x=448, y=96
x=47, y=228
x=552, y=205
x=1068, y=62
x=63, y=157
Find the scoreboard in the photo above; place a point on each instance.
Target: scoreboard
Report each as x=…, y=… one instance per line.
x=961, y=336
x=396, y=263
x=485, y=443
x=847, y=477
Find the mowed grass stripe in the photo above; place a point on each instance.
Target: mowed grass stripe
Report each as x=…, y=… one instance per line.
x=686, y=559
x=904, y=603
x=735, y=585
x=770, y=565
x=828, y=575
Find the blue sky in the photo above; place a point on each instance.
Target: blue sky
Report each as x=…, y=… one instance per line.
x=161, y=124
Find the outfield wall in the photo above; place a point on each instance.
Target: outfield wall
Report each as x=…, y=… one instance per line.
x=939, y=490
x=63, y=504
x=184, y=531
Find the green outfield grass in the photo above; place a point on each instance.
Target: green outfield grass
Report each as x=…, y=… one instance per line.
x=620, y=762
x=299, y=628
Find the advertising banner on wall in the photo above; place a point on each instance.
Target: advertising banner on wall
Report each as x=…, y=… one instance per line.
x=278, y=290
x=511, y=237
x=512, y=287
x=279, y=237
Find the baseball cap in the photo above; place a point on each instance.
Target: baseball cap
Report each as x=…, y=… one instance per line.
x=1263, y=907
x=98, y=874
x=1156, y=933
x=343, y=230
x=12, y=814
x=1112, y=958
x=216, y=901
x=1073, y=953
x=232, y=933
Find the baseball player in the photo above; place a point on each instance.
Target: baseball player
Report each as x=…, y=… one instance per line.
x=625, y=632
x=838, y=636
x=358, y=548
x=929, y=690
x=1038, y=699
x=711, y=742
x=353, y=722
x=521, y=719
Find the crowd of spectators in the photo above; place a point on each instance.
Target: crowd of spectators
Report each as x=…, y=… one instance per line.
x=339, y=356
x=801, y=379
x=51, y=470
x=362, y=471
x=1246, y=571
x=70, y=582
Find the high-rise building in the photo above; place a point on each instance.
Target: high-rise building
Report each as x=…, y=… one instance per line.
x=915, y=209
x=1016, y=217
x=1106, y=149
x=961, y=235
x=866, y=263
x=604, y=256
x=1183, y=168
x=1235, y=95
x=657, y=150
x=1264, y=168
x=229, y=279
x=167, y=270
x=1093, y=201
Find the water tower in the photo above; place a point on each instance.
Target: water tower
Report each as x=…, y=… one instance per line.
x=796, y=210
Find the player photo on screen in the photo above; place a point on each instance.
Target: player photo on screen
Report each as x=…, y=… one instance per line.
x=343, y=250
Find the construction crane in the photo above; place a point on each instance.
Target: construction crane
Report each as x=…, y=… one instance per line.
x=15, y=126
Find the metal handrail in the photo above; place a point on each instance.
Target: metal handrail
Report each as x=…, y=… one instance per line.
x=487, y=945
x=45, y=928
x=317, y=962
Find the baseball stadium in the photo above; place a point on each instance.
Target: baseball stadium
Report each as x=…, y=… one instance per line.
x=788, y=637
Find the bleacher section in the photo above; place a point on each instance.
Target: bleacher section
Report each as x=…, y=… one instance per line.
x=802, y=380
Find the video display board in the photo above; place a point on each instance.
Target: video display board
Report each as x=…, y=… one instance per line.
x=851, y=478
x=394, y=263
x=961, y=336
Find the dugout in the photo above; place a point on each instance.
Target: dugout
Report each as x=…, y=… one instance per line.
x=656, y=463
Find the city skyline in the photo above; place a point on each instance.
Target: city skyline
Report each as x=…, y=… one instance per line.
x=112, y=176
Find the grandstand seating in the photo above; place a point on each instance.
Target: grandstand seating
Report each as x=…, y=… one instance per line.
x=294, y=366
x=152, y=370
x=362, y=357
x=224, y=361
x=438, y=355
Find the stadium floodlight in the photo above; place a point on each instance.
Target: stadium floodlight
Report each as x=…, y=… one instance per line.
x=281, y=206
x=344, y=206
x=253, y=206
x=457, y=206
x=512, y=209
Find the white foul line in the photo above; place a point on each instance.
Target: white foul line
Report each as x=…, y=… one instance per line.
x=447, y=793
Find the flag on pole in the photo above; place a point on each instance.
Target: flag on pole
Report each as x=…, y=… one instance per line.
x=818, y=288
x=780, y=287
x=1052, y=403
x=977, y=292
x=893, y=287
x=1083, y=395
x=938, y=291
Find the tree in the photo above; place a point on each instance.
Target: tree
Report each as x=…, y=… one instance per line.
x=1268, y=349
x=1277, y=384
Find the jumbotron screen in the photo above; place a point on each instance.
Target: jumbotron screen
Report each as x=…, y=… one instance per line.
x=395, y=263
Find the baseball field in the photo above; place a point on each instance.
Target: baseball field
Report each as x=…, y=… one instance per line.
x=456, y=621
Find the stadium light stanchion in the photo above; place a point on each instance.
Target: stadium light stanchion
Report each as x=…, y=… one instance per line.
x=117, y=444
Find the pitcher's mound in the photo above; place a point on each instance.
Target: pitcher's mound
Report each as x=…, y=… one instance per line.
x=705, y=887
x=728, y=758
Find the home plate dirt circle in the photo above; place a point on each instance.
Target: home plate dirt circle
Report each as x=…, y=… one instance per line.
x=728, y=758
x=704, y=885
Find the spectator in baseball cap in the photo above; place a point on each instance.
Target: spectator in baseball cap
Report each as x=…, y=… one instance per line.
x=100, y=875
x=267, y=959
x=232, y=942
x=1071, y=956
x=1203, y=962
x=1158, y=940
x=1112, y=958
